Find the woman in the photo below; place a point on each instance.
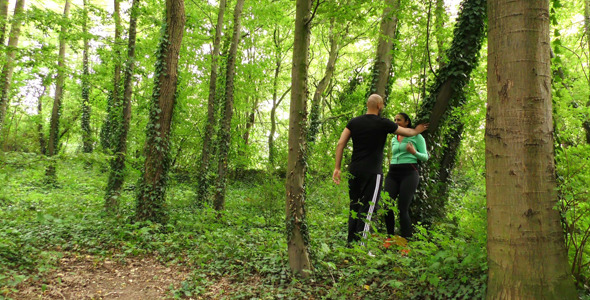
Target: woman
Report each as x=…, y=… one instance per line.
x=403, y=176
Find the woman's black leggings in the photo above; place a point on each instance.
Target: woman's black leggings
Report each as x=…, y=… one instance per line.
x=401, y=183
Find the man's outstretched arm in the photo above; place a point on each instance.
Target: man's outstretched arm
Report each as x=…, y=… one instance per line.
x=411, y=131
x=344, y=137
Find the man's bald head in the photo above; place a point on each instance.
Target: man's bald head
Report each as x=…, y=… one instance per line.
x=375, y=102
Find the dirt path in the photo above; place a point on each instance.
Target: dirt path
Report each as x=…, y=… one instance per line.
x=87, y=277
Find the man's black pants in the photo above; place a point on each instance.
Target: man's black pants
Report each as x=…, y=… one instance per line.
x=364, y=191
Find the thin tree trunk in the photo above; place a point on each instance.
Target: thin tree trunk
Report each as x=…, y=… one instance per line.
x=203, y=182
x=8, y=67
x=40, y=132
x=273, y=127
x=109, y=131
x=59, y=87
x=381, y=73
x=117, y=174
x=527, y=258
x=250, y=121
x=297, y=233
x=153, y=182
x=224, y=135
x=586, y=122
x=439, y=25
x=317, y=96
x=3, y=20
x=86, y=110
x=275, y=102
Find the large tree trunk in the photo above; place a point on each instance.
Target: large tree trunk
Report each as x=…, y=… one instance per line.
x=86, y=110
x=297, y=229
x=527, y=258
x=381, y=73
x=203, y=182
x=321, y=88
x=3, y=20
x=445, y=95
x=53, y=142
x=117, y=174
x=153, y=182
x=8, y=67
x=224, y=135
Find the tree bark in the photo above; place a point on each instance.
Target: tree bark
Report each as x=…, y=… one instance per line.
x=3, y=20
x=381, y=73
x=153, y=182
x=224, y=134
x=203, y=182
x=297, y=229
x=53, y=142
x=117, y=174
x=8, y=67
x=527, y=258
x=86, y=110
x=322, y=85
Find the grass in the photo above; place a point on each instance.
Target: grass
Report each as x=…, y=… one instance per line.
x=245, y=245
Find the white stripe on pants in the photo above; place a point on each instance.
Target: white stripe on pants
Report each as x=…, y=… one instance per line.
x=371, y=208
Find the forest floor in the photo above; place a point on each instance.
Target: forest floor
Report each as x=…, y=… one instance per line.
x=90, y=277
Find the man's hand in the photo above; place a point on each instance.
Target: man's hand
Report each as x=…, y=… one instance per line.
x=422, y=127
x=336, y=176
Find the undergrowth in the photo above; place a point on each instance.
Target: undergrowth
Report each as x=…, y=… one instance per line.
x=245, y=245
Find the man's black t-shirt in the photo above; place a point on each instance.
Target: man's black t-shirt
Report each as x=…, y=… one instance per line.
x=369, y=133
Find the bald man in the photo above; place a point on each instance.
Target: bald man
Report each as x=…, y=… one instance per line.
x=368, y=133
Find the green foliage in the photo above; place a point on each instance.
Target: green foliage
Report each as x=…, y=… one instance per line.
x=244, y=245
x=573, y=185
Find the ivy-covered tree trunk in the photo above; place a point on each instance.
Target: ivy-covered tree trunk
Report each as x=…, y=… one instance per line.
x=322, y=85
x=586, y=122
x=224, y=134
x=8, y=67
x=117, y=173
x=110, y=126
x=527, y=258
x=154, y=178
x=203, y=182
x=86, y=110
x=446, y=95
x=3, y=20
x=381, y=73
x=53, y=142
x=297, y=230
